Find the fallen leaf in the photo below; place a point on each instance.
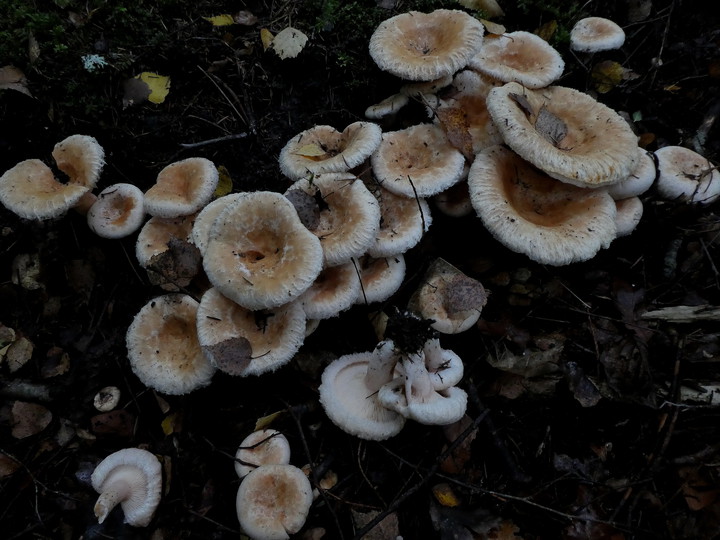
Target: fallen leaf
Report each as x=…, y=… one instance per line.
x=266, y=37
x=550, y=126
x=146, y=86
x=134, y=91
x=547, y=30
x=453, y=121
x=264, y=421
x=172, y=423
x=523, y=103
x=8, y=465
x=245, y=18
x=607, y=75
x=29, y=419
x=289, y=42
x=493, y=28
x=306, y=207
x=489, y=7
x=120, y=423
x=231, y=356
x=176, y=265
x=444, y=494
x=221, y=20
x=698, y=490
x=225, y=183
x=310, y=150
x=18, y=353
x=12, y=78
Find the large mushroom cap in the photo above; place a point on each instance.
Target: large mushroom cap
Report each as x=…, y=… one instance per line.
x=593, y=34
x=425, y=46
x=531, y=213
x=182, y=188
x=131, y=477
x=273, y=502
x=566, y=133
x=259, y=254
x=118, y=211
x=163, y=346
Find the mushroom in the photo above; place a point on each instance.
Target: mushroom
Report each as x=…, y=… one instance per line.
x=426, y=46
x=685, y=175
x=259, y=254
x=594, y=34
x=640, y=180
x=273, y=501
x=380, y=278
x=334, y=291
x=261, y=447
x=521, y=57
x=566, y=133
x=182, y=188
x=348, y=215
x=387, y=107
x=455, y=200
x=81, y=158
x=118, y=211
x=242, y=342
x=131, y=477
x=206, y=217
x=107, y=398
x=417, y=161
x=628, y=215
x=532, y=213
x=163, y=346
x=322, y=149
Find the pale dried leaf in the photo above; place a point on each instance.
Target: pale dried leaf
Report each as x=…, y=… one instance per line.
x=453, y=121
x=523, y=103
x=310, y=150
x=306, y=207
x=550, y=126
x=246, y=18
x=12, y=78
x=289, y=42
x=231, y=356
x=29, y=419
x=266, y=37
x=493, y=28
x=224, y=19
x=18, y=354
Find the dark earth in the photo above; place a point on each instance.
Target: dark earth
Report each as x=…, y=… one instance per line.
x=599, y=440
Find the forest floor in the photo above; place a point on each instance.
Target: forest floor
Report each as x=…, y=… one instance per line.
x=613, y=433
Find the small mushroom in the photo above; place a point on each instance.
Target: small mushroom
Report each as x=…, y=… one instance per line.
x=107, y=399
x=380, y=278
x=262, y=447
x=118, y=211
x=640, y=180
x=628, y=215
x=131, y=477
x=334, y=291
x=594, y=34
x=685, y=175
x=182, y=188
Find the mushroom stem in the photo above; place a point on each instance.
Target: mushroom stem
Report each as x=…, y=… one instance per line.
x=381, y=366
x=112, y=494
x=418, y=385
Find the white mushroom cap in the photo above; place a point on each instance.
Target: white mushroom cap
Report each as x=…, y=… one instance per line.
x=445, y=368
x=207, y=216
x=259, y=253
x=566, y=133
x=521, y=57
x=322, y=149
x=351, y=403
x=30, y=190
x=262, y=447
x=107, y=398
x=418, y=161
x=686, y=175
x=390, y=105
x=80, y=157
x=182, y=188
x=131, y=477
x=639, y=181
x=423, y=88
x=334, y=291
x=426, y=46
x=594, y=34
x=273, y=501
x=155, y=234
x=629, y=213
x=380, y=278
x=349, y=215
x=163, y=346
x=242, y=342
x=531, y=213
x=118, y=211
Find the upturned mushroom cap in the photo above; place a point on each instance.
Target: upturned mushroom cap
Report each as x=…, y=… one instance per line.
x=242, y=342
x=566, y=133
x=334, y=291
x=640, y=180
x=521, y=57
x=131, y=477
x=348, y=215
x=323, y=149
x=273, y=501
x=418, y=161
x=163, y=346
x=380, y=278
x=628, y=216
x=206, y=217
x=262, y=447
x=118, y=211
x=387, y=107
x=594, y=34
x=425, y=46
x=685, y=175
x=80, y=157
x=30, y=190
x=182, y=188
x=259, y=254
x=531, y=213
x=352, y=404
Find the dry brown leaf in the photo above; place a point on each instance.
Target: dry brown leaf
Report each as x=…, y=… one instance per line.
x=12, y=78
x=547, y=30
x=698, y=490
x=607, y=75
x=8, y=465
x=453, y=121
x=29, y=419
x=231, y=356
x=550, y=126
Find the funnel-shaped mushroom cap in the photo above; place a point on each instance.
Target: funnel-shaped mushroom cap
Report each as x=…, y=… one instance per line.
x=239, y=341
x=380, y=278
x=323, y=149
x=566, y=133
x=521, y=57
x=131, y=477
x=30, y=190
x=334, y=291
x=206, y=217
x=163, y=346
x=594, y=34
x=531, y=213
x=262, y=447
x=348, y=215
x=418, y=161
x=259, y=254
x=182, y=188
x=80, y=157
x=273, y=502
x=425, y=46
x=686, y=175
x=118, y=211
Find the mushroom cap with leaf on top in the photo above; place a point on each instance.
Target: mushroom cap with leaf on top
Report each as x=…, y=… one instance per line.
x=259, y=254
x=566, y=133
x=261, y=447
x=594, y=34
x=532, y=213
x=182, y=188
x=131, y=477
x=426, y=46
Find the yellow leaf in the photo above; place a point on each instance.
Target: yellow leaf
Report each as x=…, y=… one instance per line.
x=221, y=20
x=547, y=30
x=225, y=184
x=445, y=495
x=171, y=423
x=159, y=85
x=266, y=37
x=607, y=75
x=265, y=421
x=493, y=28
x=310, y=151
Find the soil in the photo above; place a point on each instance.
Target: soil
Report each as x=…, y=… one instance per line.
x=598, y=440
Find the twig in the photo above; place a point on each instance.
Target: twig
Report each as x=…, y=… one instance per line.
x=215, y=140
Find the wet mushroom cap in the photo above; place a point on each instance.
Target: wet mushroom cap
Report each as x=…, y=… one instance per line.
x=532, y=213
x=566, y=133
x=261, y=447
x=593, y=34
x=118, y=211
x=273, y=501
x=426, y=46
x=182, y=188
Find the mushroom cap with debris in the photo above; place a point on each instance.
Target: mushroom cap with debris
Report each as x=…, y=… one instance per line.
x=118, y=211
x=685, y=175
